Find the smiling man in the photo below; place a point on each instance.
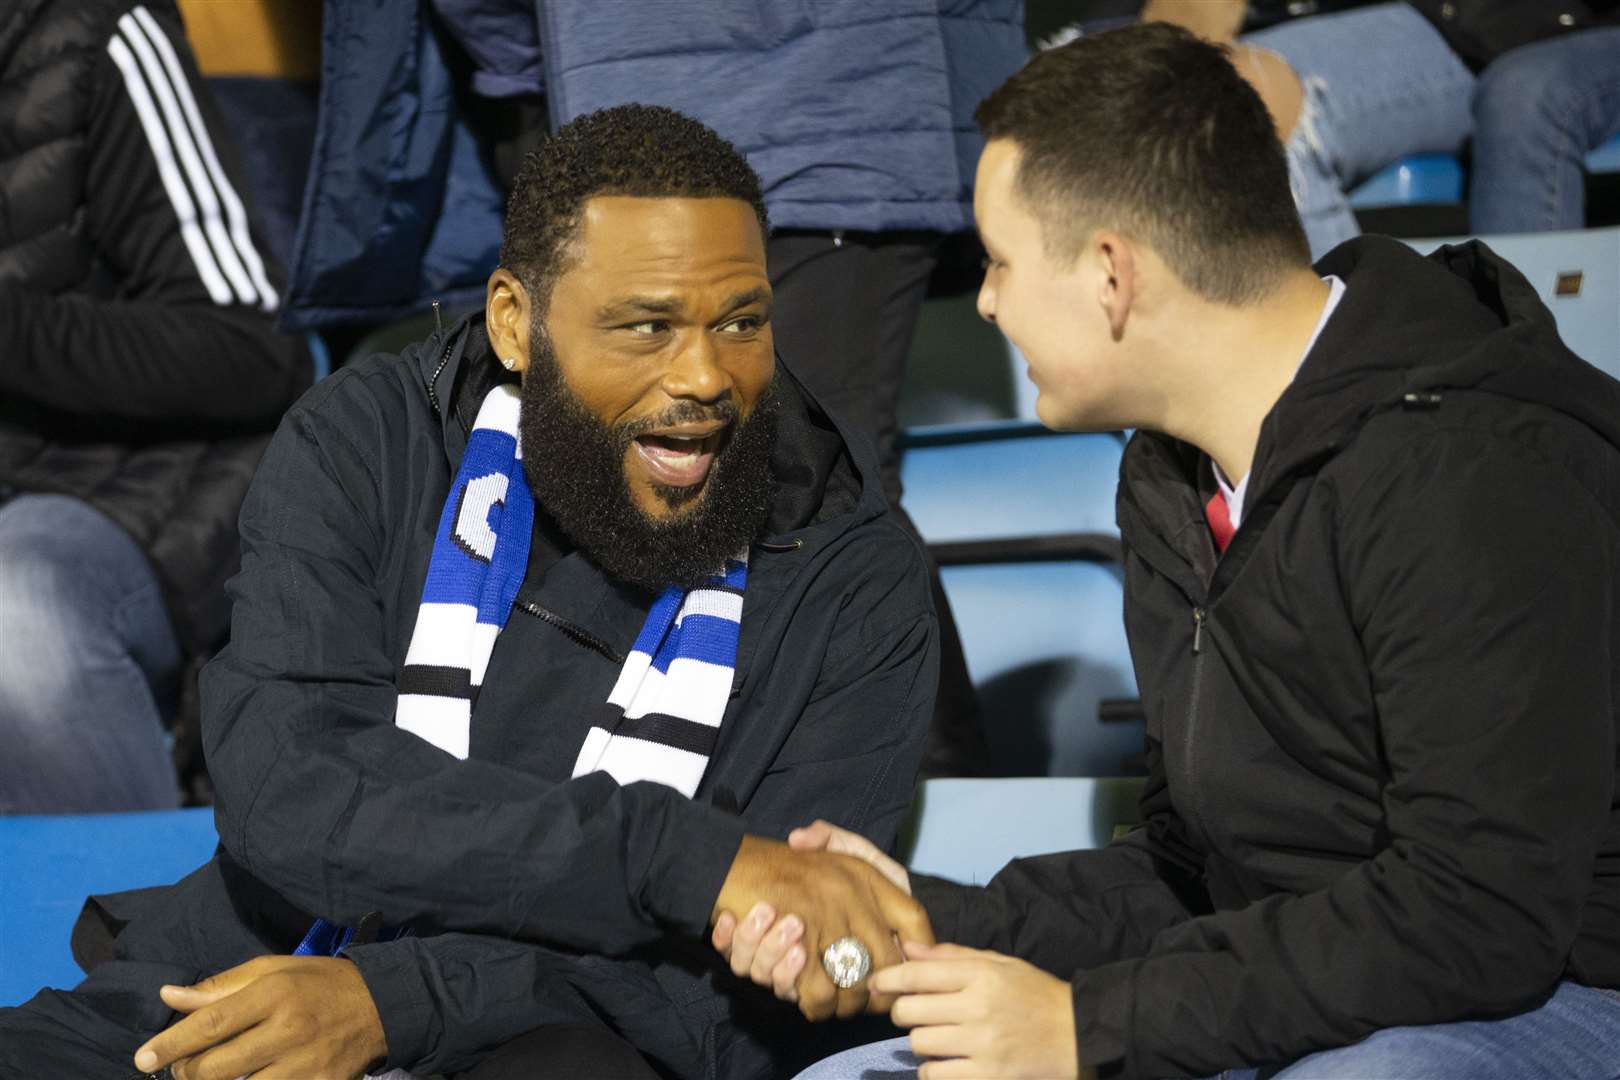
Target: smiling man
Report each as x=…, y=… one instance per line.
x=1371, y=521
x=545, y=628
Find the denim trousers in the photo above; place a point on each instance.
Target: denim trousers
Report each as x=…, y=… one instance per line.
x=1574, y=1036
x=89, y=665
x=1382, y=84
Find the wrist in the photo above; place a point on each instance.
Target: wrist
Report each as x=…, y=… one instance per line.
x=738, y=890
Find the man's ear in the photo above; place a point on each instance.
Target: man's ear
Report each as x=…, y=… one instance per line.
x=1116, y=278
x=506, y=318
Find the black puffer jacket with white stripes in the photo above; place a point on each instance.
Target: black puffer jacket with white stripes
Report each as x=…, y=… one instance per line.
x=139, y=364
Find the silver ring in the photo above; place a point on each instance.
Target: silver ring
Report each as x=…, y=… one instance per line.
x=847, y=962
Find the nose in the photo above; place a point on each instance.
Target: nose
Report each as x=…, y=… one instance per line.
x=986, y=302
x=696, y=372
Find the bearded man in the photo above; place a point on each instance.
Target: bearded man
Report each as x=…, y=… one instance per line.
x=543, y=628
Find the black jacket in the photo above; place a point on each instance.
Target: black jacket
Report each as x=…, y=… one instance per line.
x=519, y=882
x=1382, y=727
x=139, y=368
x=1481, y=30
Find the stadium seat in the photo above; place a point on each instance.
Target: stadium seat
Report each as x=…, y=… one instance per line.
x=51, y=865
x=1606, y=158
x=966, y=830
x=1014, y=478
x=1432, y=179
x=1021, y=521
x=1419, y=180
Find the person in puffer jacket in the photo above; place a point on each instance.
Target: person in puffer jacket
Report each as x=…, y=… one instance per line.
x=140, y=376
x=1371, y=518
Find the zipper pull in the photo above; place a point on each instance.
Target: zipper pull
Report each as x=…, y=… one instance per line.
x=1198, y=630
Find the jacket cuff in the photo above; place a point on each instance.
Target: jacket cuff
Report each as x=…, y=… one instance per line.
x=945, y=901
x=394, y=978
x=694, y=853
x=1104, y=1014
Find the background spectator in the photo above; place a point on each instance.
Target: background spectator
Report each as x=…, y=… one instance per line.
x=140, y=369
x=1535, y=85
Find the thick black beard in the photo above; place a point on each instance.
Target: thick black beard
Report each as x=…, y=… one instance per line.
x=575, y=466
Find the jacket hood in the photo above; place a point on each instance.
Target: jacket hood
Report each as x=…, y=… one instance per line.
x=825, y=481
x=1408, y=327
x=1462, y=318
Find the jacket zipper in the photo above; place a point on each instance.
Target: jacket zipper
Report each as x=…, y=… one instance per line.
x=433, y=395
x=1189, y=743
x=578, y=635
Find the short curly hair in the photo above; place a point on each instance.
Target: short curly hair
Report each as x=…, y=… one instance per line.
x=639, y=150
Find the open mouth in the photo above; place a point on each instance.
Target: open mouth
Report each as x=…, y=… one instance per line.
x=681, y=457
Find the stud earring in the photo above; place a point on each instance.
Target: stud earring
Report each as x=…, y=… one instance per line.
x=508, y=363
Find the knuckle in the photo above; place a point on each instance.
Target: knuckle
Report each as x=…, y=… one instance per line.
x=212, y=1022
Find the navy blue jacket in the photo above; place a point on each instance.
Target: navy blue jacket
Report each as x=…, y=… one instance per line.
x=535, y=898
x=856, y=116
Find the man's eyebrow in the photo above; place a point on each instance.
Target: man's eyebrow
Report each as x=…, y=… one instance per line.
x=640, y=305
x=757, y=294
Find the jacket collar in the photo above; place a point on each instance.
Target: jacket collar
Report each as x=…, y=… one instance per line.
x=1459, y=319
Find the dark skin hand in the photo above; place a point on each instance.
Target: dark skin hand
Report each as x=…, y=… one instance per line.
x=832, y=895
x=275, y=1018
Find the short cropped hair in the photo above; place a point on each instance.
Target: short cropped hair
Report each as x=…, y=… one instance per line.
x=1149, y=130
x=638, y=150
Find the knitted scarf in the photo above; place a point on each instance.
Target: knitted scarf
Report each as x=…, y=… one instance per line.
x=660, y=721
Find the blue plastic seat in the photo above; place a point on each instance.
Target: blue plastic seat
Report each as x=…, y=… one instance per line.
x=1606, y=158
x=52, y=863
x=966, y=830
x=1021, y=520
x=1429, y=179
x=1419, y=180
x=1008, y=479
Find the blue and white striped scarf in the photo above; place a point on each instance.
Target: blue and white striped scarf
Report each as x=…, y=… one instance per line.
x=663, y=715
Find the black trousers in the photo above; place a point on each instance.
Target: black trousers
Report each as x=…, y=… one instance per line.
x=845, y=312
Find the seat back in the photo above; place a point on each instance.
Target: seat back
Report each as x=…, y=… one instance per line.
x=52, y=863
x=966, y=830
x=1021, y=521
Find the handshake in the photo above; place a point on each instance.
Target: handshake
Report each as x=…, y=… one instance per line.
x=812, y=918
x=828, y=922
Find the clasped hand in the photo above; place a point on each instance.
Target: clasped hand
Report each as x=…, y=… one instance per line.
x=977, y=1013
x=832, y=893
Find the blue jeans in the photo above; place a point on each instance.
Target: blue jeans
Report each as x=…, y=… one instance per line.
x=1574, y=1036
x=1382, y=84
x=88, y=667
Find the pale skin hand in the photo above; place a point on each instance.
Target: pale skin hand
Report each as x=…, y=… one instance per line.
x=983, y=1015
x=274, y=1017
x=829, y=895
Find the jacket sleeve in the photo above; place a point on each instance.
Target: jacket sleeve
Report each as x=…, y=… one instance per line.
x=851, y=758
x=323, y=799
x=1079, y=909
x=852, y=755
x=1479, y=577
x=176, y=322
x=445, y=1001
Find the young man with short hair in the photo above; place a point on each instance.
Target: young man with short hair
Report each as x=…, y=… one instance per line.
x=1372, y=532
